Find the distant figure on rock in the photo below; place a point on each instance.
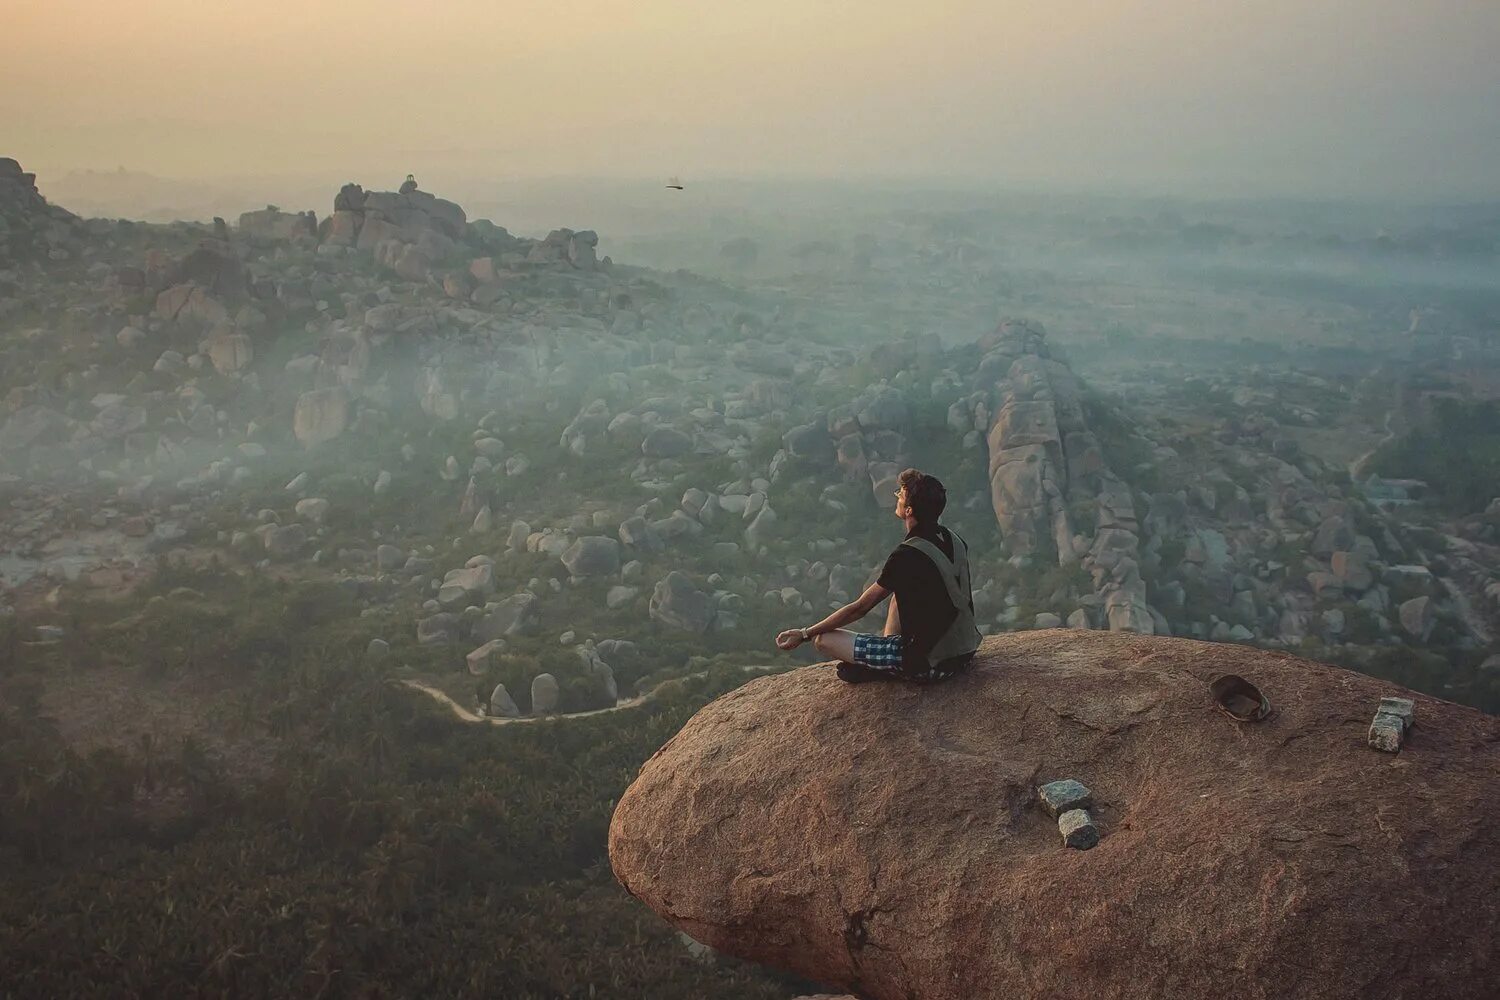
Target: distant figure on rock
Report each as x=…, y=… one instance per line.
x=930, y=633
x=409, y=185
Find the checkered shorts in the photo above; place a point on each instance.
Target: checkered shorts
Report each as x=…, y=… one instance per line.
x=880, y=652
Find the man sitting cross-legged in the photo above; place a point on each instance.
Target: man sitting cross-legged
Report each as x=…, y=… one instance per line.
x=929, y=628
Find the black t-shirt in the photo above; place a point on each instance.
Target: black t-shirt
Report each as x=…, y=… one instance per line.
x=921, y=595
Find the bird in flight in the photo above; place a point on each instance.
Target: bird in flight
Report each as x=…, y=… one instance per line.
x=674, y=183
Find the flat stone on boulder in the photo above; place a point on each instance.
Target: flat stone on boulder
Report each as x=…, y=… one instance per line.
x=1402, y=708
x=1058, y=797
x=1387, y=732
x=1078, y=829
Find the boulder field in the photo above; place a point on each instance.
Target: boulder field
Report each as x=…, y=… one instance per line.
x=886, y=839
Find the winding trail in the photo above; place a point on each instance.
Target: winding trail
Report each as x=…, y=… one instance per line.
x=464, y=715
x=1357, y=466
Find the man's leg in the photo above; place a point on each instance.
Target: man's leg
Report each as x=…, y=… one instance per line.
x=893, y=618
x=837, y=645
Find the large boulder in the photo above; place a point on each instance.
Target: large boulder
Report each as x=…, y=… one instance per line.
x=545, y=694
x=270, y=223
x=592, y=555
x=887, y=838
x=516, y=615
x=677, y=602
x=810, y=441
x=320, y=416
x=883, y=409
x=230, y=352
x=464, y=586
x=190, y=303
x=666, y=442
x=1418, y=617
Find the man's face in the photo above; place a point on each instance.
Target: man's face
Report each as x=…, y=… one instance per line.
x=901, y=509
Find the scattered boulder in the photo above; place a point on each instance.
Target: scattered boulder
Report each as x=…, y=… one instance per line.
x=666, y=442
x=592, y=555
x=468, y=585
x=439, y=629
x=481, y=659
x=502, y=705
x=320, y=416
x=677, y=602
x=544, y=694
x=1418, y=617
x=516, y=615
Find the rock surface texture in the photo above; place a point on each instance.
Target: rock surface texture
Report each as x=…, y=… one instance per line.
x=887, y=839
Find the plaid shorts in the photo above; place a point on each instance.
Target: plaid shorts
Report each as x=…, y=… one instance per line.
x=880, y=652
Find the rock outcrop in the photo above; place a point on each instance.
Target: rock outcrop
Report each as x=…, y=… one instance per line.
x=1046, y=465
x=887, y=839
x=407, y=231
x=29, y=226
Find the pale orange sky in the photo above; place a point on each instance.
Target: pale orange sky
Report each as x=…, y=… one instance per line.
x=1213, y=96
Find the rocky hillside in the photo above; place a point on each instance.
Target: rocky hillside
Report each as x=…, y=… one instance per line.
x=888, y=840
x=29, y=227
x=494, y=439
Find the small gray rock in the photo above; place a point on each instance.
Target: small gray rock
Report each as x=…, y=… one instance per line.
x=1402, y=708
x=1062, y=796
x=1386, y=732
x=1078, y=829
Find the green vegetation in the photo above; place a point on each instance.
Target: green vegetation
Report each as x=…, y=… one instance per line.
x=1457, y=454
x=329, y=833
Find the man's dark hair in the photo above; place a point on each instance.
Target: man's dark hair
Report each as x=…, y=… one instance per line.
x=925, y=495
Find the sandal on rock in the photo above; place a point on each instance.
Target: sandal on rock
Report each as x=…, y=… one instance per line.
x=1239, y=699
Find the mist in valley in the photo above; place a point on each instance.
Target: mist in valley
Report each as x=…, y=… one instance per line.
x=409, y=452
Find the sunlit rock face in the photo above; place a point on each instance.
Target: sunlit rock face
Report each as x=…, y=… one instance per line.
x=887, y=839
x=1044, y=462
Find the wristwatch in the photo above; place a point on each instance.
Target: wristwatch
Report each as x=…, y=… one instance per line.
x=803, y=633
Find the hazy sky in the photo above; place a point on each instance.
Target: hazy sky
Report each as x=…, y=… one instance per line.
x=1366, y=97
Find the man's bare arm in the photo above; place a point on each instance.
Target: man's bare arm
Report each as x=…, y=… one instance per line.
x=852, y=612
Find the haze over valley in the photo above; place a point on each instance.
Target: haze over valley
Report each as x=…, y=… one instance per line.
x=385, y=482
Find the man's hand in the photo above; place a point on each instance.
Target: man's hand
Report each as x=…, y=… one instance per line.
x=790, y=639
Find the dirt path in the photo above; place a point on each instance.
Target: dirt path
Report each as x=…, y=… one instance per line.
x=499, y=720
x=1357, y=466
x=464, y=715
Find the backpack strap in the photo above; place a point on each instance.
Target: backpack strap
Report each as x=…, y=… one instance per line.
x=954, y=578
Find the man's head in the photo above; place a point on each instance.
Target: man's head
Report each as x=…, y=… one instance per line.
x=921, y=497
